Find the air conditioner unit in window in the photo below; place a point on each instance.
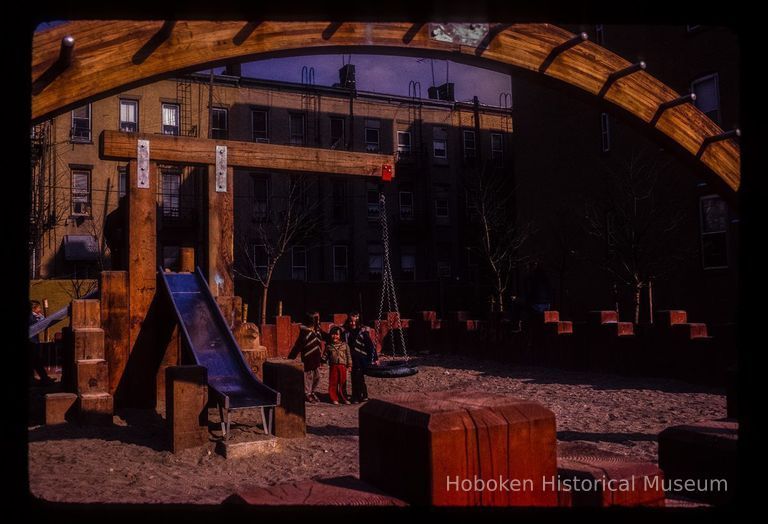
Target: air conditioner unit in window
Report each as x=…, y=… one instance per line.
x=79, y=208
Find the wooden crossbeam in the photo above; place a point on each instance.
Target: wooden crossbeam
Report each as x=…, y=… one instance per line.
x=116, y=145
x=107, y=50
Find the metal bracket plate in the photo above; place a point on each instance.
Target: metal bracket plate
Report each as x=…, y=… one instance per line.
x=221, y=169
x=464, y=34
x=142, y=164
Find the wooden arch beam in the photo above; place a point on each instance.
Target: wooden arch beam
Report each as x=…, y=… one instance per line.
x=105, y=64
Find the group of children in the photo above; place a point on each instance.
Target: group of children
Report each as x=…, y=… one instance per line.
x=350, y=348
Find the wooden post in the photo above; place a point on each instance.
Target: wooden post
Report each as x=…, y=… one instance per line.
x=142, y=279
x=114, y=320
x=220, y=234
x=187, y=260
x=287, y=377
x=186, y=406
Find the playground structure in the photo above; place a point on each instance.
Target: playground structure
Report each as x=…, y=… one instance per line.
x=124, y=341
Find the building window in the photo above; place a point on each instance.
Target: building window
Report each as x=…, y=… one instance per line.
x=600, y=34
x=81, y=192
x=259, y=125
x=473, y=263
x=297, y=190
x=296, y=125
x=338, y=137
x=339, y=200
x=403, y=144
x=375, y=261
x=714, y=232
x=81, y=124
x=129, y=116
x=407, y=263
x=340, y=264
x=171, y=120
x=260, y=260
x=439, y=143
x=171, y=257
x=471, y=199
x=299, y=263
x=470, y=148
x=260, y=198
x=122, y=181
x=441, y=209
x=605, y=133
x=707, y=91
x=171, y=181
x=372, y=128
x=406, y=205
x=372, y=197
x=219, y=123
x=497, y=148
x=444, y=260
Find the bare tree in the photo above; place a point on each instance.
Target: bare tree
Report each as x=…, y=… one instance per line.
x=639, y=221
x=489, y=198
x=290, y=220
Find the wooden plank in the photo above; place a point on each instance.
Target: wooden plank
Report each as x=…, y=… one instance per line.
x=220, y=235
x=165, y=148
x=106, y=52
x=142, y=262
x=113, y=286
x=187, y=260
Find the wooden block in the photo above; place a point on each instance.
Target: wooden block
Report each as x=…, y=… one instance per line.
x=427, y=315
x=283, y=335
x=220, y=234
x=59, y=407
x=96, y=408
x=113, y=286
x=603, y=317
x=340, y=491
x=255, y=359
x=287, y=378
x=431, y=448
x=339, y=318
x=89, y=343
x=92, y=376
x=600, y=479
x=187, y=260
x=551, y=317
x=269, y=338
x=670, y=317
x=85, y=313
x=706, y=453
x=186, y=406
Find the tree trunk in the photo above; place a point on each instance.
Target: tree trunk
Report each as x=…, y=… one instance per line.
x=264, y=294
x=499, y=294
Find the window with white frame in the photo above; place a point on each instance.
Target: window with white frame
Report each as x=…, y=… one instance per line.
x=171, y=182
x=299, y=263
x=122, y=181
x=471, y=199
x=81, y=124
x=219, y=123
x=406, y=205
x=340, y=264
x=296, y=125
x=714, y=232
x=439, y=143
x=470, y=147
x=403, y=144
x=81, y=192
x=260, y=260
x=605, y=133
x=497, y=148
x=444, y=260
x=407, y=263
x=372, y=129
x=372, y=199
x=375, y=261
x=338, y=136
x=129, y=116
x=259, y=125
x=707, y=91
x=260, y=198
x=171, y=119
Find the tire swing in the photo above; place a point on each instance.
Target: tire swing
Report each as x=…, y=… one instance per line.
x=399, y=367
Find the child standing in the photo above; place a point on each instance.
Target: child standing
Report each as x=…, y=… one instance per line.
x=309, y=345
x=363, y=352
x=339, y=360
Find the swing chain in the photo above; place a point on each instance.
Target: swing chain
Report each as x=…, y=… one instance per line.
x=388, y=282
